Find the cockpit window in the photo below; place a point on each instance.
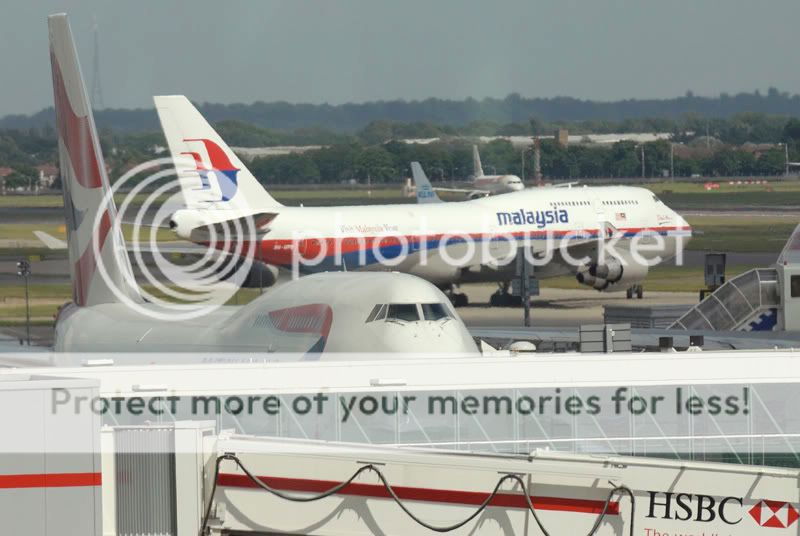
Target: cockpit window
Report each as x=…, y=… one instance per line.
x=374, y=313
x=409, y=312
x=434, y=311
x=378, y=313
x=656, y=199
x=403, y=311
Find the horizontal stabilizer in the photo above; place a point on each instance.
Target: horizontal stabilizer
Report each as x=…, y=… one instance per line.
x=50, y=241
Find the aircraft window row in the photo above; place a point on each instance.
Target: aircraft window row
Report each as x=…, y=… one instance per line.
x=408, y=312
x=621, y=202
x=569, y=203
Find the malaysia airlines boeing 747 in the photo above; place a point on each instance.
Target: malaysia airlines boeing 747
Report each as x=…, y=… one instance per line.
x=606, y=236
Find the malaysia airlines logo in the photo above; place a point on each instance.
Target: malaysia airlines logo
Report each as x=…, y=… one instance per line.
x=539, y=218
x=221, y=168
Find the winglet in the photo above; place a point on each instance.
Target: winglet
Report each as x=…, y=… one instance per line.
x=425, y=192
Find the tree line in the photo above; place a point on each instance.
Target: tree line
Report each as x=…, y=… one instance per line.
x=513, y=109
x=450, y=161
x=713, y=147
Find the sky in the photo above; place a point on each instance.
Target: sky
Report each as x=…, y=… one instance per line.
x=339, y=51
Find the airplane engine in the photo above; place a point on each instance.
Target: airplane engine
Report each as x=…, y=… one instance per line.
x=261, y=275
x=437, y=272
x=617, y=273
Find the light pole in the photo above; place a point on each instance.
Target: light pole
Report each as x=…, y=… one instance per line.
x=24, y=271
x=642, y=146
x=672, y=161
x=786, y=159
x=534, y=150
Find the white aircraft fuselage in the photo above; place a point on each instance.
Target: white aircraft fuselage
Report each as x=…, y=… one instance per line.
x=320, y=313
x=429, y=240
x=498, y=184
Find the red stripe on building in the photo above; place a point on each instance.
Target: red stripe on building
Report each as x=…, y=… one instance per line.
x=377, y=491
x=50, y=480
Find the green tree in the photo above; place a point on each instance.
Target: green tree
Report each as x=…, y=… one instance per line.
x=376, y=164
x=771, y=163
x=286, y=169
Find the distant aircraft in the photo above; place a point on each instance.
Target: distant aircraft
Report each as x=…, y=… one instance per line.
x=330, y=312
x=431, y=240
x=483, y=184
x=424, y=191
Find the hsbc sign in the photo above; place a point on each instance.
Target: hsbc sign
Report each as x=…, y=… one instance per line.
x=716, y=515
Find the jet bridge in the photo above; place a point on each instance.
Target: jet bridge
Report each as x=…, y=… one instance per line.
x=762, y=299
x=748, y=302
x=224, y=483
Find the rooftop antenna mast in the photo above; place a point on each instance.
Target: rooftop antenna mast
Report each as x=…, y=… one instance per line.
x=97, y=91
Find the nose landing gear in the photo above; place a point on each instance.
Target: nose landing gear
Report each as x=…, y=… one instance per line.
x=458, y=299
x=503, y=297
x=635, y=290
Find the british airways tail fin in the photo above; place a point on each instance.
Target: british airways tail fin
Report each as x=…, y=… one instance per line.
x=477, y=168
x=210, y=173
x=425, y=192
x=99, y=265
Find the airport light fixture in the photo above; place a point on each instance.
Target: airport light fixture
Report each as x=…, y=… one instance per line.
x=785, y=158
x=24, y=271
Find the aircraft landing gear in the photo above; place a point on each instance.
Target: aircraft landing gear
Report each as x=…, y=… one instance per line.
x=635, y=290
x=458, y=299
x=504, y=298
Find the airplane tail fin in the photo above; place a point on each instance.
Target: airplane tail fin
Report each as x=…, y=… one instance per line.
x=477, y=168
x=425, y=192
x=99, y=265
x=210, y=173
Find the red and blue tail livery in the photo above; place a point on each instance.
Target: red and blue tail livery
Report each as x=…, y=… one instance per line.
x=221, y=167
